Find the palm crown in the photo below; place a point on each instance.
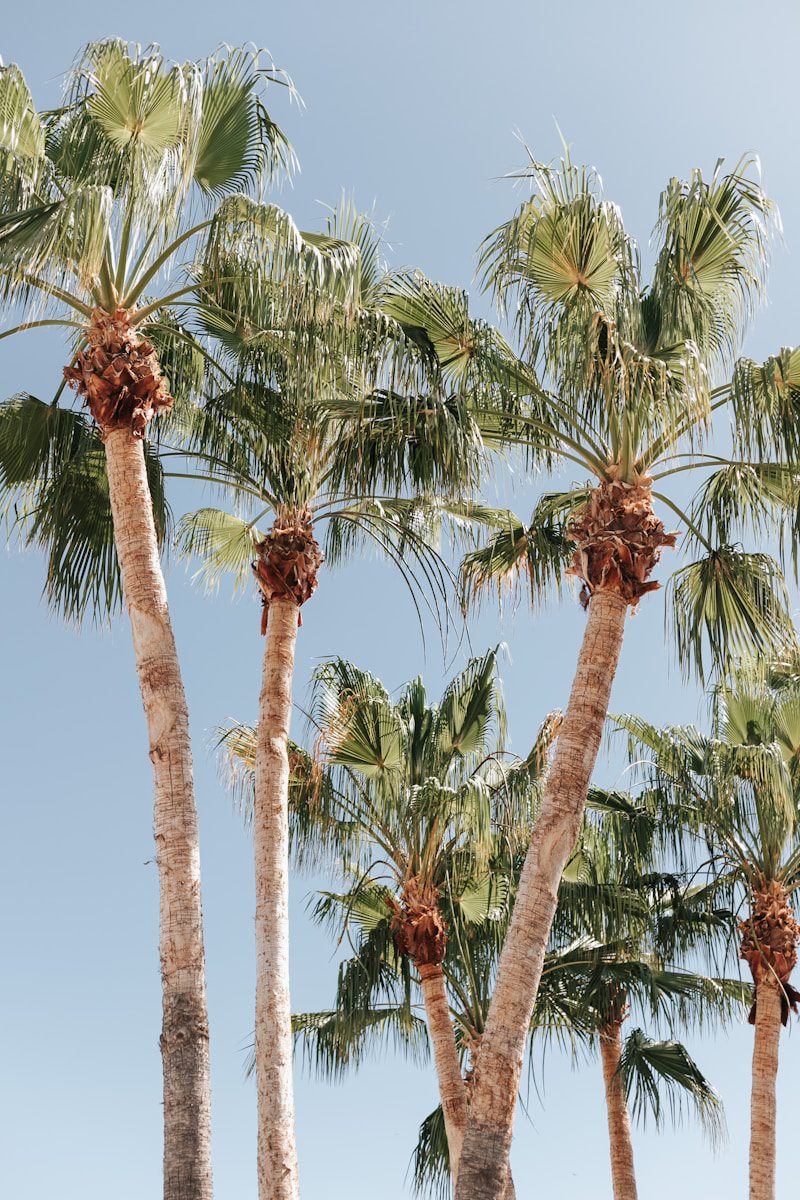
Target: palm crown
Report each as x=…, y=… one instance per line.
x=102, y=203
x=627, y=398
x=403, y=795
x=353, y=405
x=737, y=789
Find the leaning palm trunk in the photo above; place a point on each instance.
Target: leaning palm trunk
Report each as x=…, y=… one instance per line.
x=483, y=1166
x=619, y=1125
x=762, y=1104
x=286, y=569
x=184, y=1038
x=452, y=1087
x=120, y=376
x=421, y=935
x=618, y=541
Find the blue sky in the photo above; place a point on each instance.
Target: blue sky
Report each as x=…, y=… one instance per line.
x=414, y=108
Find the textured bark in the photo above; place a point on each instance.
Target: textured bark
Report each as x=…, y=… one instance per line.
x=623, y=1175
x=762, y=1104
x=184, y=1038
x=277, y=1155
x=482, y=1170
x=452, y=1089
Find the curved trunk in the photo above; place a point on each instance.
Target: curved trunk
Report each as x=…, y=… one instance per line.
x=184, y=1037
x=452, y=1088
x=482, y=1170
x=277, y=1155
x=762, y=1104
x=623, y=1175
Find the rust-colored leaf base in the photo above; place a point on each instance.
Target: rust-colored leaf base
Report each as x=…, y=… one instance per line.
x=288, y=560
x=119, y=374
x=618, y=541
x=419, y=929
x=769, y=944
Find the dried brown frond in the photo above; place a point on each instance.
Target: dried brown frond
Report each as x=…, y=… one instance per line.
x=618, y=541
x=288, y=561
x=769, y=943
x=119, y=374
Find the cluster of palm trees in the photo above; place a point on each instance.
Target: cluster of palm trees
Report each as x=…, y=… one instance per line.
x=334, y=406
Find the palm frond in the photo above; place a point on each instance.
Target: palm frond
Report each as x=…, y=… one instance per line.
x=532, y=558
x=238, y=143
x=725, y=606
x=430, y=1163
x=710, y=270
x=662, y=1080
x=334, y=1042
x=224, y=543
x=22, y=141
x=54, y=488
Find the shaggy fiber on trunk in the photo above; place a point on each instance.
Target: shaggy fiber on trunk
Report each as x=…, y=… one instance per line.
x=119, y=374
x=618, y=541
x=769, y=944
x=288, y=561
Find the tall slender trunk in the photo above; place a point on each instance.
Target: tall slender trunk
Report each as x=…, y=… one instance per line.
x=623, y=1175
x=452, y=1088
x=762, y=1103
x=483, y=1166
x=184, y=1037
x=277, y=1155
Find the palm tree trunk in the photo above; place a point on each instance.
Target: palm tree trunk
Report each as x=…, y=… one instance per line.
x=762, y=1104
x=623, y=1174
x=184, y=1037
x=482, y=1170
x=452, y=1088
x=277, y=1155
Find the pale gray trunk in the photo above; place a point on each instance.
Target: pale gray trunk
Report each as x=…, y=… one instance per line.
x=184, y=1037
x=277, y=1155
x=484, y=1157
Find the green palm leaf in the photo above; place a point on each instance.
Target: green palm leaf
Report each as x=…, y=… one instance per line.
x=661, y=1079
x=728, y=605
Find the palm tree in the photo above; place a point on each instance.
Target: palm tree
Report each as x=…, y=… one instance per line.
x=403, y=795
x=97, y=202
x=653, y=1077
x=589, y=986
x=592, y=988
x=628, y=367
x=321, y=414
x=739, y=791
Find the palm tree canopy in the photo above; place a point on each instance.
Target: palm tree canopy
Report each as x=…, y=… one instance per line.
x=739, y=786
x=98, y=194
x=352, y=403
x=626, y=368
x=400, y=786
x=99, y=200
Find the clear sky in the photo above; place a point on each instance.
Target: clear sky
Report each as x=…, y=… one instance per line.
x=414, y=107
